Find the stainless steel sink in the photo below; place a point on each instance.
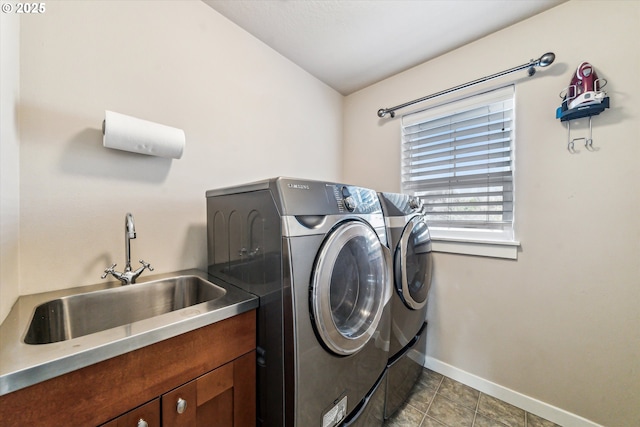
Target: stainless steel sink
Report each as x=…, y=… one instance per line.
x=80, y=326
x=83, y=314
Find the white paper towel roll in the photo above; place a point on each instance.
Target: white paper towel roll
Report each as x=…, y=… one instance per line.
x=141, y=136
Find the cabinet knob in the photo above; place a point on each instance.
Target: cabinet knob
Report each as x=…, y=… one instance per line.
x=142, y=423
x=182, y=405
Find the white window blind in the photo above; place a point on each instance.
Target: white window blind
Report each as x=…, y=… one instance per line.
x=458, y=158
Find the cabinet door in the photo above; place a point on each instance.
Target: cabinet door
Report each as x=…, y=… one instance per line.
x=147, y=415
x=224, y=397
x=179, y=406
x=215, y=397
x=204, y=402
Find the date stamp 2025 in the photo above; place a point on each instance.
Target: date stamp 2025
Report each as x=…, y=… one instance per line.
x=24, y=8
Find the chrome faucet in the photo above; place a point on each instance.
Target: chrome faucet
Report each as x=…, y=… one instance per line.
x=127, y=277
x=129, y=233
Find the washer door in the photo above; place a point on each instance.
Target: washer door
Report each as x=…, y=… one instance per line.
x=349, y=287
x=413, y=264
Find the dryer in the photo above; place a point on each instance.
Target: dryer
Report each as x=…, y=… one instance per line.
x=315, y=254
x=410, y=244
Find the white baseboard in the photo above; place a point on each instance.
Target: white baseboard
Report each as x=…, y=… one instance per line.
x=529, y=404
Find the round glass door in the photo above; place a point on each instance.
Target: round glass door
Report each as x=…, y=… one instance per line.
x=349, y=287
x=413, y=264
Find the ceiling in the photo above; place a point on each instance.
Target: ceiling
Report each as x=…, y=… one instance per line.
x=351, y=44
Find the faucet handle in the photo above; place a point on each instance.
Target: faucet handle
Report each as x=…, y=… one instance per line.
x=108, y=271
x=146, y=264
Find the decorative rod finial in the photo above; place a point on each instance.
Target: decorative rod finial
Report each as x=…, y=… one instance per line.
x=547, y=59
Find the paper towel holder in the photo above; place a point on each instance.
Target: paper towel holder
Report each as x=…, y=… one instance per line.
x=140, y=136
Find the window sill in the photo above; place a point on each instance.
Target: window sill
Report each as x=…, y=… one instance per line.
x=486, y=248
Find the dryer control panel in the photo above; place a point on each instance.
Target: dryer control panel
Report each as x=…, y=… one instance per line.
x=400, y=205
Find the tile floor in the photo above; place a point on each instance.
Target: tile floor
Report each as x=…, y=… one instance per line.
x=438, y=401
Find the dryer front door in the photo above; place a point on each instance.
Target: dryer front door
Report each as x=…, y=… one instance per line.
x=349, y=287
x=413, y=264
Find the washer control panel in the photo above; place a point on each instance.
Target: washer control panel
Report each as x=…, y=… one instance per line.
x=351, y=199
x=300, y=197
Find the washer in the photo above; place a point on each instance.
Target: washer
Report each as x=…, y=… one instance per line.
x=315, y=254
x=410, y=242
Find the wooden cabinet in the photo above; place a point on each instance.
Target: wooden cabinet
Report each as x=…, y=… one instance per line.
x=212, y=369
x=216, y=399
x=220, y=398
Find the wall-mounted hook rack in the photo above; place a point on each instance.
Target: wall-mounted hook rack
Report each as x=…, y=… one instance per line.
x=585, y=111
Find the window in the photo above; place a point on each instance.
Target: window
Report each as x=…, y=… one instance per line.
x=458, y=158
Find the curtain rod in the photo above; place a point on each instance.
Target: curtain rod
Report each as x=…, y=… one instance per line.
x=543, y=61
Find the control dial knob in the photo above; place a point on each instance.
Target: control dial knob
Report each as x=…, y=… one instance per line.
x=415, y=203
x=349, y=201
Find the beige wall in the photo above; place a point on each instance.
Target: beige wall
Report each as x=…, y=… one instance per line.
x=562, y=323
x=9, y=161
x=248, y=114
